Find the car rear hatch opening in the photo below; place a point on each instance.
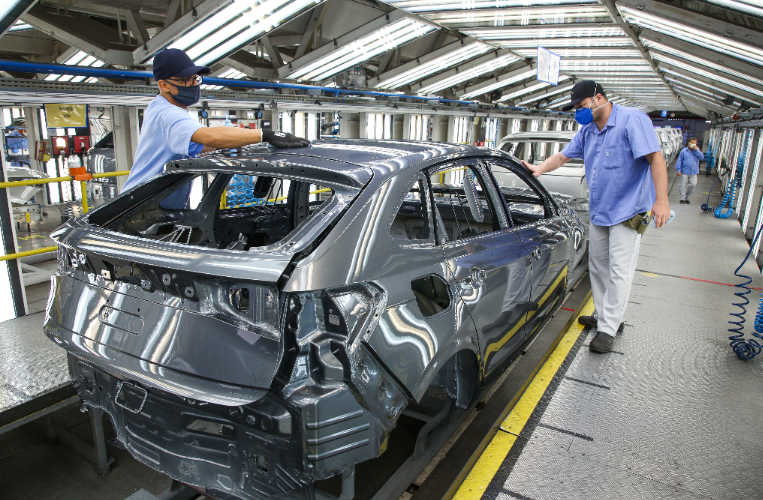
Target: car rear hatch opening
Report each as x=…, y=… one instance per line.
x=179, y=277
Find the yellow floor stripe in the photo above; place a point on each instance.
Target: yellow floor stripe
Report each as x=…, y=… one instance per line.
x=491, y=459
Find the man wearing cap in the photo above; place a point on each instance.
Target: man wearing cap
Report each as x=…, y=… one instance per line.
x=169, y=133
x=687, y=167
x=627, y=177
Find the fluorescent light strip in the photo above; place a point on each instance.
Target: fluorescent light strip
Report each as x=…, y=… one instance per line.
x=529, y=90
x=692, y=34
x=704, y=62
x=751, y=7
x=699, y=82
x=549, y=94
x=236, y=25
x=383, y=40
x=442, y=5
x=586, y=54
x=521, y=16
x=702, y=72
x=79, y=58
x=694, y=88
x=492, y=65
x=439, y=64
x=596, y=41
x=19, y=26
x=503, y=83
x=513, y=33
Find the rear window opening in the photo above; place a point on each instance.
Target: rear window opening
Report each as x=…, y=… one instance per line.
x=223, y=210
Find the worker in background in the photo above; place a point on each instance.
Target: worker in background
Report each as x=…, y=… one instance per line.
x=687, y=166
x=170, y=133
x=620, y=150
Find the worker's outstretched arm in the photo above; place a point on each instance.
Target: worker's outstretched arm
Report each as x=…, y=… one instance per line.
x=550, y=164
x=661, y=207
x=234, y=137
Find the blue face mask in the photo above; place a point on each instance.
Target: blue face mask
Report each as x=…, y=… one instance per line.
x=584, y=116
x=187, y=96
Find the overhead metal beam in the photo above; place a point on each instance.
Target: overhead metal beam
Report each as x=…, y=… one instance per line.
x=191, y=18
x=711, y=55
x=628, y=29
x=747, y=96
x=697, y=20
x=80, y=31
x=275, y=55
x=14, y=14
x=308, y=36
x=172, y=12
x=137, y=28
x=248, y=64
x=420, y=60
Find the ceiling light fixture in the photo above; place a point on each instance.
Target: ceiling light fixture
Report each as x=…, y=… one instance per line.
x=473, y=72
x=353, y=49
x=692, y=34
x=421, y=70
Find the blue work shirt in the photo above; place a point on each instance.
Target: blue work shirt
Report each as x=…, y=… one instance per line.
x=619, y=181
x=688, y=161
x=165, y=136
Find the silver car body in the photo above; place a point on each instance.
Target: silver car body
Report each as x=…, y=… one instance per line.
x=252, y=347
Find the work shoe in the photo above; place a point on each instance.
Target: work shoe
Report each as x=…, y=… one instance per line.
x=688, y=202
x=601, y=343
x=591, y=321
x=587, y=320
x=682, y=202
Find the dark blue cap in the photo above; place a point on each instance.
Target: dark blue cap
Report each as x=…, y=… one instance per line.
x=175, y=62
x=581, y=90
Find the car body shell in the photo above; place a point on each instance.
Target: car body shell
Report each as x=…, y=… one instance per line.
x=346, y=321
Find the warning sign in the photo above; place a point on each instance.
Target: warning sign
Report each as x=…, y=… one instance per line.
x=66, y=115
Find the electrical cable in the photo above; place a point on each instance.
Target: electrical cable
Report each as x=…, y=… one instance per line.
x=746, y=349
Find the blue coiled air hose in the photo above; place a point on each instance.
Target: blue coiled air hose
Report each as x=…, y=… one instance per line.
x=729, y=199
x=746, y=349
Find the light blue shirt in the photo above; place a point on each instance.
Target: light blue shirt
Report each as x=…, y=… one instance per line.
x=688, y=161
x=619, y=181
x=165, y=136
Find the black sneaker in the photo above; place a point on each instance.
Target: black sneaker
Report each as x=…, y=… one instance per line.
x=601, y=343
x=688, y=202
x=587, y=320
x=682, y=202
x=592, y=322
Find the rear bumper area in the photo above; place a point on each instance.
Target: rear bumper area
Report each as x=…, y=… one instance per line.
x=271, y=448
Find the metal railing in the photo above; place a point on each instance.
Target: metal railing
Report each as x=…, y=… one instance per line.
x=79, y=176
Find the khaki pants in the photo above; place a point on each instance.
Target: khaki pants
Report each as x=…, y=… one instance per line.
x=612, y=257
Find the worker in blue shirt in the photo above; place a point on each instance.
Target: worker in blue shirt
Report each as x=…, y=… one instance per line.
x=687, y=166
x=170, y=133
x=627, y=177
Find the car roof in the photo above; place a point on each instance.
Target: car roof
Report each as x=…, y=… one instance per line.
x=547, y=136
x=353, y=158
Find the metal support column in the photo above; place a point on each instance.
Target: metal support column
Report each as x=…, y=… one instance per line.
x=11, y=284
x=125, y=123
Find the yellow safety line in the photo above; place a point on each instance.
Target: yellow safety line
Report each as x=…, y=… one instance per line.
x=484, y=470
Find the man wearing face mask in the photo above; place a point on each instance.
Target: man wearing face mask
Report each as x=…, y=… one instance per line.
x=627, y=177
x=169, y=133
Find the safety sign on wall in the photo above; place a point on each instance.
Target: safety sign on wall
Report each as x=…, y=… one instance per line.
x=66, y=115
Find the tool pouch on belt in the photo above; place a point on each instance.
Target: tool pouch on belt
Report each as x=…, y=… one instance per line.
x=638, y=222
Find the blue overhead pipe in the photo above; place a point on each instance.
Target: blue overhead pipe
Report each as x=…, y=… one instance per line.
x=124, y=74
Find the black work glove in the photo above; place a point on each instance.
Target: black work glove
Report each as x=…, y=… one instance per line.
x=283, y=139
